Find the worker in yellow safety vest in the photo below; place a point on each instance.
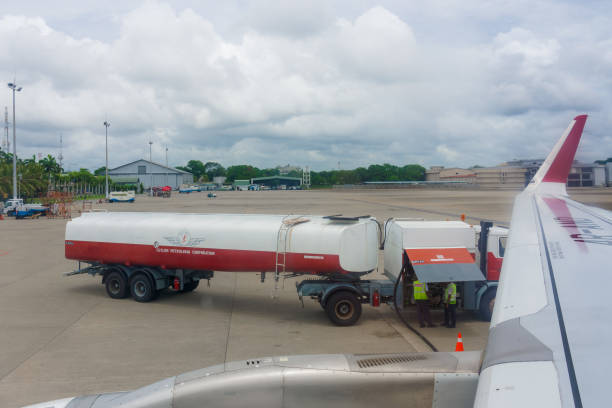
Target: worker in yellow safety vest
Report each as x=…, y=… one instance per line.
x=450, y=305
x=422, y=302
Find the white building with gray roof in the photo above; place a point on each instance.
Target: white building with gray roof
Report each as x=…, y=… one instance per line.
x=150, y=174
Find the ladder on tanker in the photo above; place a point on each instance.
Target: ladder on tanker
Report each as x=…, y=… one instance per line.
x=281, y=245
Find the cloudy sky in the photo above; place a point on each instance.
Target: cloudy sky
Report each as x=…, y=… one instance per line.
x=318, y=83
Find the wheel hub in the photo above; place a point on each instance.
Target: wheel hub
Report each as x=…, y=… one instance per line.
x=140, y=289
x=115, y=286
x=344, y=310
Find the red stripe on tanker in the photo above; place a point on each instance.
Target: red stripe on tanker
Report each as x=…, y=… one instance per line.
x=224, y=242
x=230, y=260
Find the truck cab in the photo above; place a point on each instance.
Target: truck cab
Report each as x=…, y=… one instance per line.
x=436, y=252
x=496, y=247
x=11, y=205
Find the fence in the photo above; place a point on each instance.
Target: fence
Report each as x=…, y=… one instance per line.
x=87, y=189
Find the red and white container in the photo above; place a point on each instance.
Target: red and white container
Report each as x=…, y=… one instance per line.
x=225, y=242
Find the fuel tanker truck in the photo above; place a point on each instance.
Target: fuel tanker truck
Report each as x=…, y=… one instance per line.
x=143, y=253
x=140, y=254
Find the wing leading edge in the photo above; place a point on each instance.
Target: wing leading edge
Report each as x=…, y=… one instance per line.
x=549, y=333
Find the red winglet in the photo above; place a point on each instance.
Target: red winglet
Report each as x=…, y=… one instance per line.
x=562, y=163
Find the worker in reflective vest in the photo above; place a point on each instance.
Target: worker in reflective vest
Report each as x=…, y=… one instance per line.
x=450, y=305
x=422, y=302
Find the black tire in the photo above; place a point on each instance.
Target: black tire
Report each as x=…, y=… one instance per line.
x=487, y=302
x=343, y=308
x=116, y=285
x=142, y=288
x=190, y=286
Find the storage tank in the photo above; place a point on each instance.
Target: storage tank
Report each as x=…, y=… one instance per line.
x=226, y=242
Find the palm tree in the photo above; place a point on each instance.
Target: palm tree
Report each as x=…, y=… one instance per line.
x=50, y=165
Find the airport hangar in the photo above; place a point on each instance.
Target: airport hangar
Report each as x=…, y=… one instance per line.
x=274, y=182
x=150, y=174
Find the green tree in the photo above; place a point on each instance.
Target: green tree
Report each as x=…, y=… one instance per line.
x=412, y=172
x=50, y=165
x=197, y=168
x=267, y=172
x=194, y=167
x=82, y=176
x=214, y=169
x=294, y=173
x=241, y=172
x=32, y=178
x=375, y=172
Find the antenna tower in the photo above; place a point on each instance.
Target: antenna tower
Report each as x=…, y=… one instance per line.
x=6, y=142
x=60, y=157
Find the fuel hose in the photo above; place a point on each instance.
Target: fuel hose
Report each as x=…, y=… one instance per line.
x=400, y=276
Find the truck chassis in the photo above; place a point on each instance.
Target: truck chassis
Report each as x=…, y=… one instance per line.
x=342, y=300
x=143, y=283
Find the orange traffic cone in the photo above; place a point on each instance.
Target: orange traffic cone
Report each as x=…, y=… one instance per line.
x=459, y=345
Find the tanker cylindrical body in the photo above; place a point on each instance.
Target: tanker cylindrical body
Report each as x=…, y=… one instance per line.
x=225, y=242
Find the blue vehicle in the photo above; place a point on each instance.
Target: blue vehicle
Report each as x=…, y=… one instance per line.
x=121, y=197
x=191, y=189
x=16, y=207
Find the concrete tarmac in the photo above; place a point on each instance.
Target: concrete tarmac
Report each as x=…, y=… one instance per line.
x=63, y=336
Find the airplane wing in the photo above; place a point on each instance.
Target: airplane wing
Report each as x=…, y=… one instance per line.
x=551, y=333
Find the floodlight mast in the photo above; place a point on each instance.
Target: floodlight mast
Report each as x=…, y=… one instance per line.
x=151, y=160
x=15, y=88
x=106, y=125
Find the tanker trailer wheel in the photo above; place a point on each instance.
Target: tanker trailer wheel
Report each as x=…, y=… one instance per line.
x=142, y=288
x=487, y=302
x=190, y=286
x=343, y=308
x=116, y=285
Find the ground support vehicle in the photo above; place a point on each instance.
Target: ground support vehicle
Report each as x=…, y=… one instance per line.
x=184, y=189
x=342, y=300
x=121, y=196
x=143, y=283
x=437, y=252
x=16, y=207
x=434, y=251
x=158, y=250
x=24, y=212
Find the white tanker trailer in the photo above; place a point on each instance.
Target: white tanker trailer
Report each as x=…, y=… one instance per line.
x=142, y=253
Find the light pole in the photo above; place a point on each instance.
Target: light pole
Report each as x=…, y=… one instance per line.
x=151, y=160
x=14, y=87
x=166, y=164
x=106, y=125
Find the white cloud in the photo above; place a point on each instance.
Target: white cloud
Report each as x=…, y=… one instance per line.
x=447, y=153
x=460, y=84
